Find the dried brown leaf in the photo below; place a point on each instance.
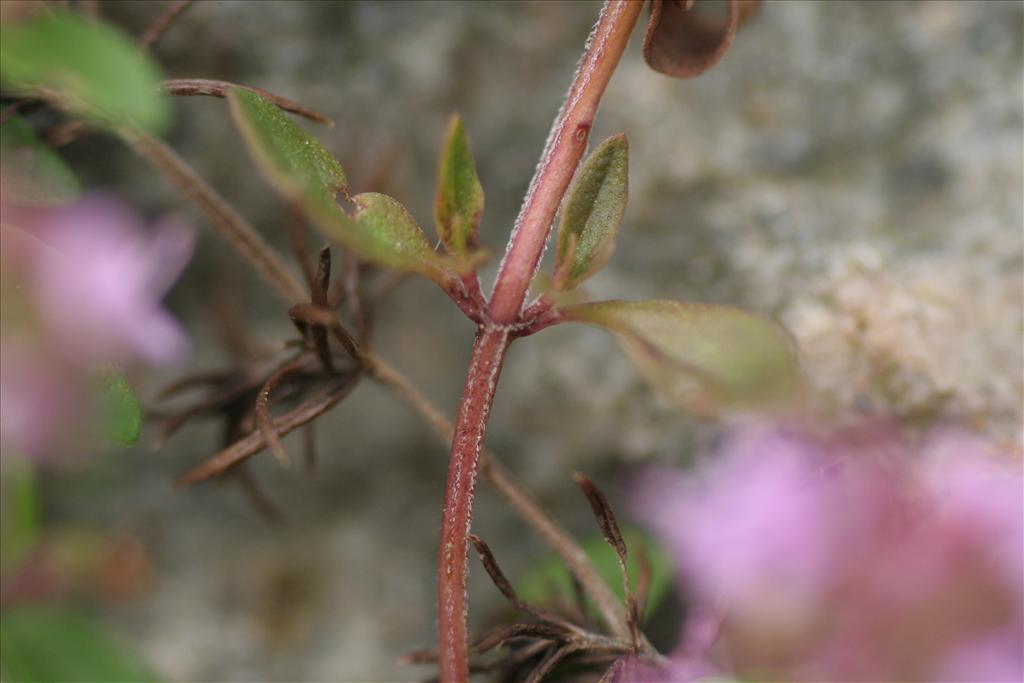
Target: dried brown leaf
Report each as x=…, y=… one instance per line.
x=497, y=576
x=682, y=41
x=255, y=442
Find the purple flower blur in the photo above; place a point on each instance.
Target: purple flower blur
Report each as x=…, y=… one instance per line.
x=82, y=286
x=851, y=556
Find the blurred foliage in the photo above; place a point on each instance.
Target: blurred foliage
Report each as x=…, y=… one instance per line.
x=120, y=416
x=707, y=358
x=50, y=645
x=548, y=580
x=19, y=511
x=92, y=68
x=33, y=171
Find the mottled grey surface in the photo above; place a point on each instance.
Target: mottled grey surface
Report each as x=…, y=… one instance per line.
x=854, y=169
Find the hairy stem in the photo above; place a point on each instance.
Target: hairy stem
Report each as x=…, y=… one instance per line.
x=477, y=396
x=505, y=483
x=562, y=154
x=235, y=228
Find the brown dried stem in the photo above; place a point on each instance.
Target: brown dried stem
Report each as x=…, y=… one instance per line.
x=190, y=87
x=255, y=442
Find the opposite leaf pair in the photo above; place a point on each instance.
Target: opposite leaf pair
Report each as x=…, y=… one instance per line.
x=706, y=357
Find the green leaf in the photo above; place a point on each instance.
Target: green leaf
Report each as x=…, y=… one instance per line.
x=33, y=173
x=94, y=69
x=705, y=357
x=294, y=161
x=549, y=579
x=382, y=231
x=19, y=511
x=299, y=167
x=459, y=202
x=592, y=213
x=120, y=415
x=48, y=645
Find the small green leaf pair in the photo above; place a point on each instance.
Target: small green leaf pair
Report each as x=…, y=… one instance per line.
x=706, y=357
x=380, y=230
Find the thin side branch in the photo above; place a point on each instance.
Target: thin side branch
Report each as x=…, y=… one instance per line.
x=159, y=27
x=504, y=482
x=230, y=224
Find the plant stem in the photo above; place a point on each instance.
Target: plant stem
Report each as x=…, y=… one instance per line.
x=505, y=483
x=562, y=154
x=235, y=228
x=477, y=396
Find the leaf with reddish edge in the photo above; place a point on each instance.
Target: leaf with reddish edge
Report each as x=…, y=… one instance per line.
x=708, y=358
x=592, y=213
x=459, y=202
x=683, y=40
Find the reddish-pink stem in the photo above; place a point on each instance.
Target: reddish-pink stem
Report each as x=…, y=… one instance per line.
x=477, y=395
x=562, y=155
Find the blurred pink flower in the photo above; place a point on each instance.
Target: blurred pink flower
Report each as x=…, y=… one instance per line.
x=850, y=556
x=82, y=290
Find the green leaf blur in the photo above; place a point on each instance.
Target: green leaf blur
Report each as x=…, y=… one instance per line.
x=93, y=69
x=48, y=645
x=120, y=415
x=548, y=580
x=705, y=357
x=19, y=511
x=459, y=202
x=592, y=213
x=33, y=172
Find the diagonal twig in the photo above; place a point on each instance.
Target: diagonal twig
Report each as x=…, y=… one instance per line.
x=235, y=228
x=163, y=22
x=554, y=535
x=550, y=661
